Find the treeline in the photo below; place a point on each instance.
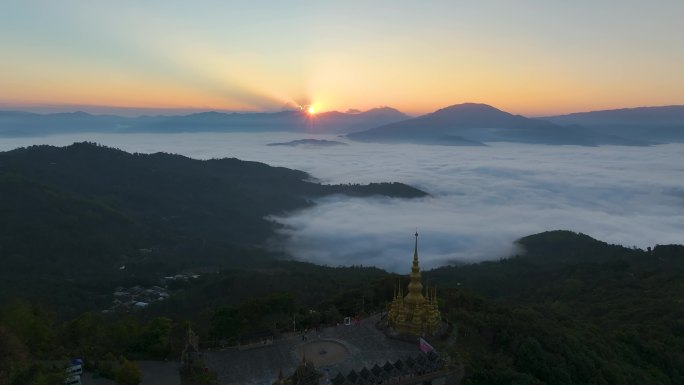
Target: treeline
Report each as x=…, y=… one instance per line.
x=223, y=308
x=31, y=337
x=92, y=335
x=279, y=313
x=308, y=283
x=504, y=343
x=569, y=310
x=75, y=218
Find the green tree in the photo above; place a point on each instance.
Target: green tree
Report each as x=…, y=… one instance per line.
x=225, y=323
x=128, y=373
x=13, y=355
x=38, y=375
x=155, y=339
x=31, y=324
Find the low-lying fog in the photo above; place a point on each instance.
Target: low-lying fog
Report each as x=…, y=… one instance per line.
x=482, y=198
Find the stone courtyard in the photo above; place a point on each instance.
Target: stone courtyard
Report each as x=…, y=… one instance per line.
x=334, y=349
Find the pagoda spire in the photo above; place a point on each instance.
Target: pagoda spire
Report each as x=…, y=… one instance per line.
x=415, y=269
x=415, y=287
x=415, y=250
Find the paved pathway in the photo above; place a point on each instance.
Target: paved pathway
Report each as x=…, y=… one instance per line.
x=366, y=344
x=89, y=379
x=159, y=372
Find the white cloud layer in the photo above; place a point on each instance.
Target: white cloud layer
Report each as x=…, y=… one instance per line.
x=483, y=198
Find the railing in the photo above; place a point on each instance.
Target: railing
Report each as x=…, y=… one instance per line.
x=256, y=344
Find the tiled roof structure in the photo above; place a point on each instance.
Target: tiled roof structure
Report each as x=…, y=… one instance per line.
x=416, y=365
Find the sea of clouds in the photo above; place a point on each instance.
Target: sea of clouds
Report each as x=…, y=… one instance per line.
x=481, y=198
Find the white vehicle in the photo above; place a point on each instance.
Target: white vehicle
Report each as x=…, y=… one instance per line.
x=74, y=370
x=73, y=380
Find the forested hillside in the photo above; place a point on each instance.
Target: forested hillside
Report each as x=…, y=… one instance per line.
x=80, y=220
x=569, y=310
x=83, y=219
x=573, y=310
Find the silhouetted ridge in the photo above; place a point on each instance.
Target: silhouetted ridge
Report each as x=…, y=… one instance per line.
x=25, y=124
x=83, y=210
x=649, y=124
x=309, y=143
x=478, y=115
x=551, y=257
x=470, y=107
x=475, y=124
x=557, y=240
x=384, y=111
x=673, y=114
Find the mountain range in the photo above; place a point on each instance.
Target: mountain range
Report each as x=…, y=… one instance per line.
x=467, y=124
x=653, y=124
x=471, y=124
x=20, y=123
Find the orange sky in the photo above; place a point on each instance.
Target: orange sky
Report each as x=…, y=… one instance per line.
x=527, y=57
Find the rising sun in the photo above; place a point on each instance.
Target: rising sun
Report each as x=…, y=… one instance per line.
x=311, y=110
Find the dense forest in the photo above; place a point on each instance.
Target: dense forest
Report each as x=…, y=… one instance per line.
x=568, y=309
x=83, y=219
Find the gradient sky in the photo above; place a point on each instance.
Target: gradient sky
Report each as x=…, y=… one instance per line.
x=528, y=57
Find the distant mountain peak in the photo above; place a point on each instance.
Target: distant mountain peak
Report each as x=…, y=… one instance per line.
x=75, y=114
x=479, y=123
x=472, y=108
x=383, y=110
x=206, y=113
x=652, y=113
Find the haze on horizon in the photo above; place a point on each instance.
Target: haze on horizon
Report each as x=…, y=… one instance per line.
x=527, y=57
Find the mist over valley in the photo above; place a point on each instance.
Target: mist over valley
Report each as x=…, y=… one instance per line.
x=481, y=198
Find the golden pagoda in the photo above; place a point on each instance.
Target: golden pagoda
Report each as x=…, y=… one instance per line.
x=415, y=314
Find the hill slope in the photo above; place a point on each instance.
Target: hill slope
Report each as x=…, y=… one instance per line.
x=569, y=310
x=586, y=313
x=471, y=124
x=651, y=124
x=79, y=213
x=18, y=123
